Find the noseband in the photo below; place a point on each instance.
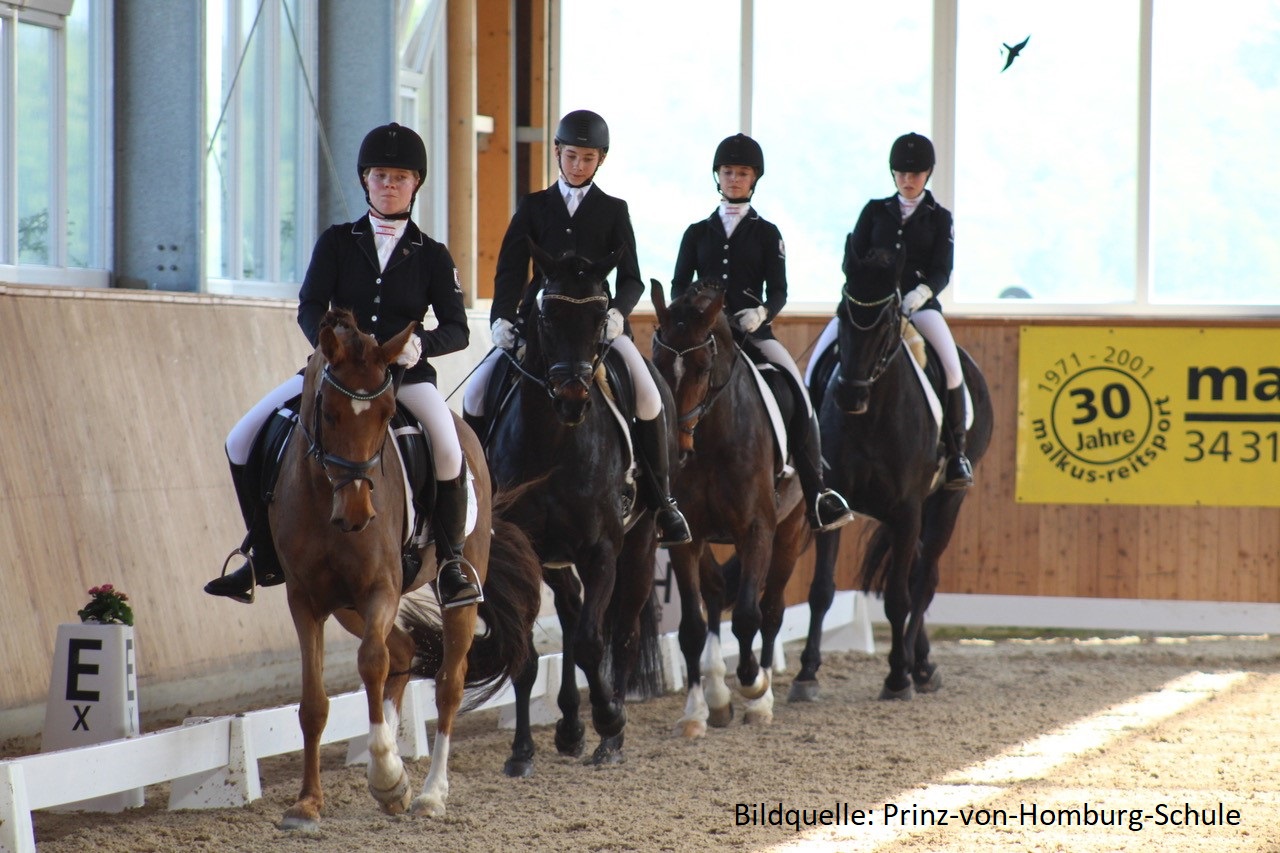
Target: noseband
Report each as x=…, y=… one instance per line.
x=353, y=470
x=712, y=392
x=886, y=354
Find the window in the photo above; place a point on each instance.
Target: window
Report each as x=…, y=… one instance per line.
x=54, y=142
x=669, y=94
x=259, y=168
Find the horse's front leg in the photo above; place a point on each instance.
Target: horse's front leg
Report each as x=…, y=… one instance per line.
x=755, y=551
x=712, y=667
x=567, y=594
x=822, y=591
x=692, y=636
x=388, y=780
x=897, y=608
x=313, y=713
x=459, y=627
x=608, y=711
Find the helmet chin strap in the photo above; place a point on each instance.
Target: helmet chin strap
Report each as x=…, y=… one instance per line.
x=743, y=200
x=405, y=215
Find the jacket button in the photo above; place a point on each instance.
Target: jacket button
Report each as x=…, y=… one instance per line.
x=897, y=245
x=725, y=275
x=379, y=280
x=374, y=318
x=725, y=261
x=726, y=247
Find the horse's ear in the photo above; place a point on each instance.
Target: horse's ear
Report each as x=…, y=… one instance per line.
x=541, y=259
x=716, y=305
x=603, y=267
x=657, y=294
x=330, y=344
x=392, y=348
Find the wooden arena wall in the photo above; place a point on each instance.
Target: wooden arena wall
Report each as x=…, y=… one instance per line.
x=116, y=405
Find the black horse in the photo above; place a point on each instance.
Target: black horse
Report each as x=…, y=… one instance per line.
x=559, y=440
x=883, y=445
x=729, y=486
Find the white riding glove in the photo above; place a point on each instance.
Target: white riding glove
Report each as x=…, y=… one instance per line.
x=913, y=300
x=750, y=319
x=412, y=351
x=612, y=324
x=504, y=333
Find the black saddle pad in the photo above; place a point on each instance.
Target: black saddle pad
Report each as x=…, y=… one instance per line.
x=829, y=363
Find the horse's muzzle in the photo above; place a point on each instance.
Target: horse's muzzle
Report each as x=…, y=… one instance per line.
x=352, y=508
x=852, y=399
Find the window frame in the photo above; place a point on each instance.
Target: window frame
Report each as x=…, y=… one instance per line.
x=51, y=15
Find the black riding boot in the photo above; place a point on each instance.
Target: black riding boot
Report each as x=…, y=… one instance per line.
x=959, y=471
x=453, y=586
x=826, y=508
x=258, y=549
x=651, y=442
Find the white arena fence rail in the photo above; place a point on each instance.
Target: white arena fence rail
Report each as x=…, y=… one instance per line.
x=212, y=762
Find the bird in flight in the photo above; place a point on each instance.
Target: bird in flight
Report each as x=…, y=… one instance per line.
x=1013, y=53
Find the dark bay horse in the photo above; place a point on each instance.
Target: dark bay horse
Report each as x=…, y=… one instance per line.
x=729, y=487
x=338, y=520
x=882, y=443
x=559, y=436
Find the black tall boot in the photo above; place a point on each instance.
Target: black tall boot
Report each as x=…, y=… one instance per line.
x=261, y=562
x=453, y=587
x=826, y=508
x=959, y=471
x=651, y=442
x=478, y=424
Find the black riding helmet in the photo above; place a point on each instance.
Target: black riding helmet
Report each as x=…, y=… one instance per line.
x=738, y=150
x=392, y=146
x=911, y=152
x=584, y=129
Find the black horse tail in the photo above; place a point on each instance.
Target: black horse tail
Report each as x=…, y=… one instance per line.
x=645, y=679
x=875, y=561
x=512, y=598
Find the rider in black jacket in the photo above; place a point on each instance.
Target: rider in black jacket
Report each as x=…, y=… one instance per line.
x=743, y=253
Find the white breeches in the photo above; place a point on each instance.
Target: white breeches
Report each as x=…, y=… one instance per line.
x=930, y=323
x=240, y=439
x=828, y=337
x=648, y=400
x=422, y=399
x=936, y=331
x=777, y=354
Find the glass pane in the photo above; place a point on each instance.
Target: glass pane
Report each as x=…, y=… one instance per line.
x=1215, y=199
x=290, y=107
x=826, y=118
x=83, y=155
x=253, y=138
x=1046, y=151
x=668, y=103
x=217, y=85
x=34, y=143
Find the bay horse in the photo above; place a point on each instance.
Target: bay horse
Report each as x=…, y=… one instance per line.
x=338, y=521
x=559, y=437
x=883, y=446
x=729, y=488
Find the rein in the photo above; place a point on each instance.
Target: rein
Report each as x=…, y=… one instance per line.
x=713, y=391
x=887, y=354
x=354, y=470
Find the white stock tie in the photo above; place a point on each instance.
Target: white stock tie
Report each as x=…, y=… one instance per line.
x=575, y=195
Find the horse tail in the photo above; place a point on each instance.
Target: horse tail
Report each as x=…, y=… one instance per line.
x=512, y=598
x=875, y=561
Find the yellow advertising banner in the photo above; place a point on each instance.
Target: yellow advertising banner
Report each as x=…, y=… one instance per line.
x=1163, y=416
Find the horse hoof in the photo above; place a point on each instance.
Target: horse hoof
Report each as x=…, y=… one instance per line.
x=902, y=694
x=928, y=682
x=803, y=691
x=605, y=755
x=424, y=806
x=720, y=717
x=394, y=800
x=300, y=818
x=518, y=768
x=753, y=717
x=570, y=738
x=691, y=729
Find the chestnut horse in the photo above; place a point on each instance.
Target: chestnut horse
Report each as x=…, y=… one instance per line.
x=730, y=490
x=882, y=444
x=559, y=442
x=338, y=520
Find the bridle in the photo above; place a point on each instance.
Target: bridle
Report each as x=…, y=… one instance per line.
x=564, y=373
x=712, y=392
x=352, y=471
x=889, y=303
